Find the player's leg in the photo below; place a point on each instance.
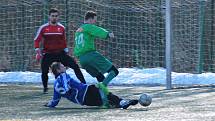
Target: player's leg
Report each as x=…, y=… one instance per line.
x=112, y=101
x=112, y=73
x=117, y=102
x=105, y=66
x=100, y=77
x=68, y=61
x=94, y=72
x=88, y=62
x=92, y=97
x=98, y=64
x=45, y=63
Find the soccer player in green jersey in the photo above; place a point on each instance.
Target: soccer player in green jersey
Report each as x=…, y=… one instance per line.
x=90, y=59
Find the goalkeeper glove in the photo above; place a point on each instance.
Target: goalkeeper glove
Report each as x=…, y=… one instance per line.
x=38, y=54
x=66, y=50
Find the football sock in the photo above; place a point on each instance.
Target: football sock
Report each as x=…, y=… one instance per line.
x=103, y=88
x=109, y=77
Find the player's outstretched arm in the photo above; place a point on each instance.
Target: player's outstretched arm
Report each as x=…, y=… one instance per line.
x=97, y=31
x=55, y=100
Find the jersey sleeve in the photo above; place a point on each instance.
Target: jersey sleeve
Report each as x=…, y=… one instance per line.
x=55, y=100
x=59, y=89
x=38, y=37
x=64, y=39
x=96, y=31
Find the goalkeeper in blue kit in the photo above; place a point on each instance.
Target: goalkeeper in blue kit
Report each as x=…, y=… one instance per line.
x=90, y=59
x=83, y=94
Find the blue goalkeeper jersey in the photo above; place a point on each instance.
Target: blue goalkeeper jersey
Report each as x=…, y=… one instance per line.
x=65, y=86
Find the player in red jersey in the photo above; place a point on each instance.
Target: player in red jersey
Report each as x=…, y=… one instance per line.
x=54, y=48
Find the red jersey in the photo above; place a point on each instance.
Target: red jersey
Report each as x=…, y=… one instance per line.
x=52, y=37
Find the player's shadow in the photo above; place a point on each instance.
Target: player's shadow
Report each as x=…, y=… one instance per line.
x=98, y=108
x=138, y=109
x=74, y=110
x=79, y=108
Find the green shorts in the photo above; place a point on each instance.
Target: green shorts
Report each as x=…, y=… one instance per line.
x=94, y=63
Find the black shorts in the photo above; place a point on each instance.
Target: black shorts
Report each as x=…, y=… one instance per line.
x=93, y=97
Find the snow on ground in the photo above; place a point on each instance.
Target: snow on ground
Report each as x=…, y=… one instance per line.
x=126, y=76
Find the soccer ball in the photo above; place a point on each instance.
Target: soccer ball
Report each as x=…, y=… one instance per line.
x=145, y=100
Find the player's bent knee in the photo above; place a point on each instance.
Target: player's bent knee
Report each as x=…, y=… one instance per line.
x=100, y=77
x=113, y=68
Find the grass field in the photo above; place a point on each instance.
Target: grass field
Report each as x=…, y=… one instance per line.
x=24, y=102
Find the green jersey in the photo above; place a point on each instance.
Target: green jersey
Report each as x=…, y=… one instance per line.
x=85, y=37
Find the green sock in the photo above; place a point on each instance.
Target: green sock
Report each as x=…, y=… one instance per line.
x=109, y=77
x=103, y=88
x=104, y=94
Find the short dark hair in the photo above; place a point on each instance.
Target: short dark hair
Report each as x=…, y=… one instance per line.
x=54, y=67
x=53, y=10
x=90, y=14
